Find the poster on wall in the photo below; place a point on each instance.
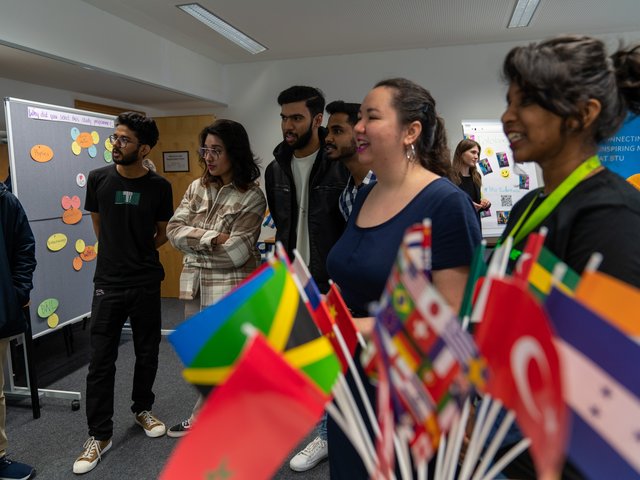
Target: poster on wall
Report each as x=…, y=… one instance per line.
x=621, y=152
x=503, y=181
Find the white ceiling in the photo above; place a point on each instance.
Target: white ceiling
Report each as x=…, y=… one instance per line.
x=305, y=28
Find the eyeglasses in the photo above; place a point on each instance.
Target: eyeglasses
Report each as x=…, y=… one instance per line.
x=214, y=152
x=122, y=141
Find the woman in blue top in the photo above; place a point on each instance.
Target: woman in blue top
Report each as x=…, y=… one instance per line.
x=402, y=139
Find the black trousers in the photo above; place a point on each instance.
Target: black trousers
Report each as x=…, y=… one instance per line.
x=109, y=311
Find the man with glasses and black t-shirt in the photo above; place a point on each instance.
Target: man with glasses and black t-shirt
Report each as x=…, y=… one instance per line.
x=130, y=207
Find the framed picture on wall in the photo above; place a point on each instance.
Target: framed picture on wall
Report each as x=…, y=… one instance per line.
x=175, y=161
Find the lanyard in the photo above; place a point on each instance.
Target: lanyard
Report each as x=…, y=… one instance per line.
x=522, y=228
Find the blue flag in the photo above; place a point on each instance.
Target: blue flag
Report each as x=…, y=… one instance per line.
x=601, y=382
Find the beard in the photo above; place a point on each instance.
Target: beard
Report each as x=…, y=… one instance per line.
x=128, y=159
x=304, y=140
x=345, y=153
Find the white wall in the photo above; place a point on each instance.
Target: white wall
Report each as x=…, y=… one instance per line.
x=55, y=96
x=464, y=80
x=75, y=30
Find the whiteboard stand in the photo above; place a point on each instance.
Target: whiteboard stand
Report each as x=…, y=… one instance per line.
x=12, y=391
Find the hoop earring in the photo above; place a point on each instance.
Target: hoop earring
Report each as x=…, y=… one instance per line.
x=410, y=153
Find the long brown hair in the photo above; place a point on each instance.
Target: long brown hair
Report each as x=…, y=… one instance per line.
x=457, y=164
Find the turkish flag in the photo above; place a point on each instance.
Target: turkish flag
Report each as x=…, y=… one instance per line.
x=247, y=426
x=515, y=337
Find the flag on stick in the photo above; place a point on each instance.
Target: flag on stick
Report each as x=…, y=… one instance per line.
x=266, y=407
x=530, y=254
x=541, y=274
x=602, y=389
x=342, y=317
x=515, y=338
x=478, y=269
x=612, y=299
x=318, y=309
x=209, y=343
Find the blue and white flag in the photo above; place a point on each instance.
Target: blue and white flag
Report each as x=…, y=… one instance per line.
x=601, y=381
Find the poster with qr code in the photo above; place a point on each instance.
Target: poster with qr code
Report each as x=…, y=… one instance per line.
x=504, y=182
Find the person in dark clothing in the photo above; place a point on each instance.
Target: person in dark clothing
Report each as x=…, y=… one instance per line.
x=7, y=182
x=130, y=207
x=403, y=140
x=566, y=95
x=18, y=262
x=465, y=175
x=302, y=185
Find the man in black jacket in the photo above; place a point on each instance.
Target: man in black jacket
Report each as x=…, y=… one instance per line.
x=302, y=185
x=17, y=263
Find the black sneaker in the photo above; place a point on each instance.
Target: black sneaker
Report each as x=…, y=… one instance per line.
x=10, y=470
x=180, y=430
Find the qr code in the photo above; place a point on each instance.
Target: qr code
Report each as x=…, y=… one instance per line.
x=506, y=200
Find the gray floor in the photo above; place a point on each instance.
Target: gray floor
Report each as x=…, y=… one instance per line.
x=52, y=442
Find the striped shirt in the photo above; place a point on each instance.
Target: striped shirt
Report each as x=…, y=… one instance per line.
x=348, y=195
x=203, y=214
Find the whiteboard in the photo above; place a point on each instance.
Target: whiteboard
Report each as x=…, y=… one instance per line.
x=78, y=143
x=503, y=182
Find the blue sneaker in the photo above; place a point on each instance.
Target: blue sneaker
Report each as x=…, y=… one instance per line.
x=10, y=470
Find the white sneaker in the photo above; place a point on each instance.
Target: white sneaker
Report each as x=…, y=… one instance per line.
x=312, y=454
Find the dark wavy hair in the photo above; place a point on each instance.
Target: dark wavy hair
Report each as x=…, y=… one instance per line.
x=456, y=164
x=145, y=128
x=562, y=73
x=313, y=98
x=244, y=164
x=414, y=102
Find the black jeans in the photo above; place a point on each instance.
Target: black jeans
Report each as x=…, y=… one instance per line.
x=109, y=311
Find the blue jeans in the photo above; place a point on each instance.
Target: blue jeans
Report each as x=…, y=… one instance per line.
x=322, y=427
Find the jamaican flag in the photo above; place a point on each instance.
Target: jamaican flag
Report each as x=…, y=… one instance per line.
x=210, y=342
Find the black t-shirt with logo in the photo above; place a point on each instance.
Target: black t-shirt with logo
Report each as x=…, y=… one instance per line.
x=129, y=210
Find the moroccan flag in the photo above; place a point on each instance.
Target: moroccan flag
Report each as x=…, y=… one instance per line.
x=524, y=370
x=265, y=407
x=542, y=272
x=612, y=299
x=209, y=343
x=602, y=389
